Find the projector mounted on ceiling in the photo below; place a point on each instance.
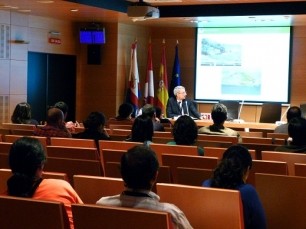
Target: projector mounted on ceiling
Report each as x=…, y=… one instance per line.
x=141, y=11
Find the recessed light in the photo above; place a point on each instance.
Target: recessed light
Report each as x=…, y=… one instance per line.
x=74, y=10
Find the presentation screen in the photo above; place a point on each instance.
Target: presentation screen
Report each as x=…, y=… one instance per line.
x=250, y=64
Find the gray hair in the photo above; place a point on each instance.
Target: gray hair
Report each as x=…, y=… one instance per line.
x=177, y=88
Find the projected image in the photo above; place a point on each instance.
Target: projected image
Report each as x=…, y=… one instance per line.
x=240, y=81
x=220, y=54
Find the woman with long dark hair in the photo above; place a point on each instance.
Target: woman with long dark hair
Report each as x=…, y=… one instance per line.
x=232, y=173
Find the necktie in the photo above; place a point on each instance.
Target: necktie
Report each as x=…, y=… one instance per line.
x=180, y=106
x=184, y=105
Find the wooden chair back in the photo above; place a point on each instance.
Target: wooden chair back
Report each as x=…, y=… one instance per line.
x=174, y=161
x=202, y=206
x=23, y=132
x=119, y=145
x=218, y=152
x=160, y=149
x=73, y=142
x=254, y=134
x=282, y=193
x=12, y=138
x=278, y=135
x=19, y=213
x=267, y=140
x=161, y=140
x=205, y=143
x=163, y=134
x=122, y=132
x=192, y=176
x=73, y=152
x=300, y=169
x=269, y=167
x=5, y=147
x=4, y=161
x=92, y=188
x=120, y=126
x=259, y=148
x=73, y=167
x=86, y=215
x=18, y=126
x=290, y=158
x=208, y=137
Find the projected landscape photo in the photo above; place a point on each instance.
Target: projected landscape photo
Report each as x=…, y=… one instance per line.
x=240, y=81
x=218, y=54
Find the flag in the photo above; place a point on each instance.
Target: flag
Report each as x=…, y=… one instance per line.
x=162, y=91
x=176, y=73
x=133, y=90
x=149, y=84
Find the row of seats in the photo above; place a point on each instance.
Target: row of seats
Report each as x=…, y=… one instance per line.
x=204, y=207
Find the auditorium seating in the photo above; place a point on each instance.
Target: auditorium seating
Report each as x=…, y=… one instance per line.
x=97, y=216
x=5, y=147
x=92, y=188
x=160, y=149
x=256, y=140
x=300, y=169
x=74, y=142
x=73, y=167
x=174, y=161
x=20, y=213
x=205, y=207
x=120, y=145
x=73, y=152
x=269, y=167
x=218, y=152
x=278, y=135
x=12, y=138
x=290, y=158
x=283, y=200
x=221, y=138
x=192, y=176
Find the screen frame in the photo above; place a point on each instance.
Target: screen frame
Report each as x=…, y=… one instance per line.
x=91, y=36
x=248, y=102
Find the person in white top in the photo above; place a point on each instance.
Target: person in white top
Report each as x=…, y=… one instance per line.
x=139, y=170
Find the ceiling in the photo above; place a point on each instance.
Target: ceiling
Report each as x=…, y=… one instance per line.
x=184, y=13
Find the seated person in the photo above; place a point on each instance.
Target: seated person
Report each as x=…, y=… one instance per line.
x=94, y=128
x=232, y=173
x=139, y=170
x=55, y=126
x=149, y=110
x=297, y=136
x=180, y=105
x=142, y=130
x=124, y=115
x=185, y=132
x=64, y=108
x=219, y=115
x=22, y=114
x=293, y=112
x=26, y=159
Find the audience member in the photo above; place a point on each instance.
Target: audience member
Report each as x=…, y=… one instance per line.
x=293, y=112
x=124, y=115
x=139, y=170
x=232, y=173
x=94, y=128
x=26, y=160
x=55, y=126
x=142, y=130
x=219, y=115
x=64, y=108
x=180, y=105
x=185, y=132
x=22, y=114
x=149, y=110
x=297, y=136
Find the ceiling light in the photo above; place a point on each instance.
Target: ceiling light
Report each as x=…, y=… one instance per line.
x=45, y=1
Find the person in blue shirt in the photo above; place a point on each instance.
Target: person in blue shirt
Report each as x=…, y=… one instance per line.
x=232, y=173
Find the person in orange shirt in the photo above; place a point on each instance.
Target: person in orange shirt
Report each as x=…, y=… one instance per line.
x=26, y=159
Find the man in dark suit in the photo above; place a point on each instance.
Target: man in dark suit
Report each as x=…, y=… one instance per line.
x=180, y=105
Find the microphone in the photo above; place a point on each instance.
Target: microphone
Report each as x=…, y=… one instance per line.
x=280, y=121
x=238, y=120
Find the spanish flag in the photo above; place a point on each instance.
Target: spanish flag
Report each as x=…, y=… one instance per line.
x=162, y=91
